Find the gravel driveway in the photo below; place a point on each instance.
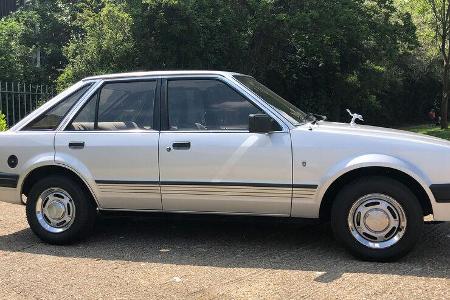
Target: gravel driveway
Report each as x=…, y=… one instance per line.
x=179, y=257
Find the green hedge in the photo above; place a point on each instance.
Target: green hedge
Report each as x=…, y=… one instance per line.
x=3, y=126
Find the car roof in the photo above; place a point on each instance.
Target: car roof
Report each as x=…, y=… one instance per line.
x=160, y=73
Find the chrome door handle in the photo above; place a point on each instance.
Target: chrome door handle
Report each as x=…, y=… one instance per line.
x=181, y=145
x=76, y=145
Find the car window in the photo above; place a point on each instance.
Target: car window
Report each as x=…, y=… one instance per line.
x=288, y=110
x=53, y=117
x=207, y=104
x=121, y=106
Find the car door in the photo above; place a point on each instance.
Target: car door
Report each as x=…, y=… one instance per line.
x=210, y=162
x=112, y=141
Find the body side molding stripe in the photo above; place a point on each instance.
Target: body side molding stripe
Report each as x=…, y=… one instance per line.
x=226, y=184
x=441, y=192
x=125, y=182
x=194, y=183
x=305, y=186
x=250, y=184
x=9, y=180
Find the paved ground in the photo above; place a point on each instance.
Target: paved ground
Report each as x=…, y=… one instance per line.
x=182, y=258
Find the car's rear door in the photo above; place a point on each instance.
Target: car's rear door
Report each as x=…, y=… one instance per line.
x=210, y=162
x=113, y=142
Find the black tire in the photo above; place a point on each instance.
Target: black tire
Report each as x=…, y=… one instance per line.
x=85, y=215
x=382, y=185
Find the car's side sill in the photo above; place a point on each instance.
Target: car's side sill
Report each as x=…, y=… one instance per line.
x=441, y=192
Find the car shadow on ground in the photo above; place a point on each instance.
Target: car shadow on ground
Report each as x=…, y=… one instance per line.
x=237, y=243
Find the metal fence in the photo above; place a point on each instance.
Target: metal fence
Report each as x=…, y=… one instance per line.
x=9, y=6
x=19, y=99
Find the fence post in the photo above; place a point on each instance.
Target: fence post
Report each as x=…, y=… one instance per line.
x=30, y=98
x=1, y=97
x=24, y=99
x=7, y=106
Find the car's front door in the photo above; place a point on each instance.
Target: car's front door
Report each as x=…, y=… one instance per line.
x=112, y=140
x=210, y=162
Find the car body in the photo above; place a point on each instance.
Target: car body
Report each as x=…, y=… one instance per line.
x=282, y=163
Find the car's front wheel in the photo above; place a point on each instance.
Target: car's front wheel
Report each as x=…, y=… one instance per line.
x=377, y=218
x=59, y=211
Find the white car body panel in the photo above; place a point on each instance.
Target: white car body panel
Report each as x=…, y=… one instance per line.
x=122, y=166
x=333, y=149
x=236, y=172
x=246, y=173
x=34, y=149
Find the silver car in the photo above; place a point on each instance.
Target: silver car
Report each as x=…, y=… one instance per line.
x=218, y=143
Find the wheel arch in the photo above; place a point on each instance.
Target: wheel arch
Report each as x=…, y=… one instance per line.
x=389, y=172
x=45, y=170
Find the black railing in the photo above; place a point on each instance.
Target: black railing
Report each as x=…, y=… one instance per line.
x=19, y=99
x=9, y=6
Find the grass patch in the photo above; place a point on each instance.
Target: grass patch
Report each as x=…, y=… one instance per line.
x=429, y=129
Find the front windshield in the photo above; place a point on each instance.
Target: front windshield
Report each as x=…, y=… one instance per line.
x=289, y=111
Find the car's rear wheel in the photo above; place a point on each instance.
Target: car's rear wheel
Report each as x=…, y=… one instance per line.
x=377, y=218
x=59, y=211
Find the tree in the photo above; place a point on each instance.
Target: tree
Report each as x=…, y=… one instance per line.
x=441, y=23
x=14, y=55
x=104, y=45
x=38, y=29
x=324, y=56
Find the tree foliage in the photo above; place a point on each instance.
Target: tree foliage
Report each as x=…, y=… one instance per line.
x=440, y=22
x=43, y=26
x=14, y=54
x=3, y=126
x=324, y=56
x=105, y=46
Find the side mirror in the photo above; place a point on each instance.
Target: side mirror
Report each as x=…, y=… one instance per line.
x=262, y=123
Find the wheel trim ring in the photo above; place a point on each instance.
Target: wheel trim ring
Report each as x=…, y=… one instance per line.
x=46, y=199
x=389, y=206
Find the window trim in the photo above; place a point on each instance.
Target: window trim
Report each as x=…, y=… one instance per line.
x=25, y=128
x=97, y=90
x=165, y=126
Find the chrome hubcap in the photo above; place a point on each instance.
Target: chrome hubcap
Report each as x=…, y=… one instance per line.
x=377, y=221
x=55, y=210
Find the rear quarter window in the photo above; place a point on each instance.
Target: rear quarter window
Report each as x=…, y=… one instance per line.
x=51, y=119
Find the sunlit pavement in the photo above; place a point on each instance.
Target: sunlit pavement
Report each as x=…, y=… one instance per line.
x=178, y=257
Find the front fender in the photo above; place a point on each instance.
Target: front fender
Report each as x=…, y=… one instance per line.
x=375, y=160
x=311, y=209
